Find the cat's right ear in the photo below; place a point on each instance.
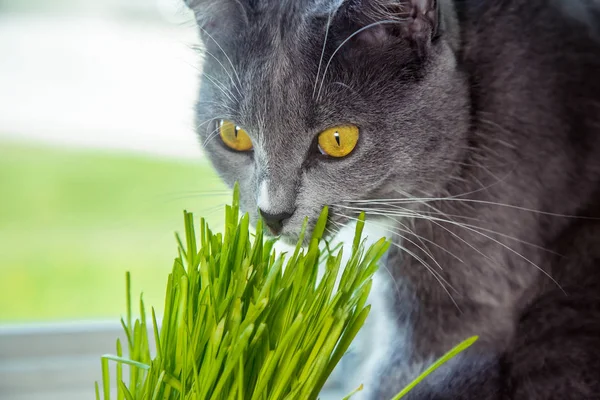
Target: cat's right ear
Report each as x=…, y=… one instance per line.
x=377, y=22
x=218, y=17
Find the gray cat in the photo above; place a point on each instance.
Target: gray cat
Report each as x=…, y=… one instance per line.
x=471, y=129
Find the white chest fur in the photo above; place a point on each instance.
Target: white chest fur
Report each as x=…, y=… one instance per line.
x=380, y=337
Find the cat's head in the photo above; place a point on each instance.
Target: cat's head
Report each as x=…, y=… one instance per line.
x=310, y=103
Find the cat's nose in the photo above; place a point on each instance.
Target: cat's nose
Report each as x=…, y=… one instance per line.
x=275, y=221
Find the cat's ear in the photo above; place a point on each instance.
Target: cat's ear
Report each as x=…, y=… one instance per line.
x=215, y=17
x=376, y=22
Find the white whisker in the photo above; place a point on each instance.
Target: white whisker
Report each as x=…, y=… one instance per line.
x=212, y=135
x=342, y=45
x=435, y=274
x=415, y=215
x=203, y=122
x=228, y=59
x=217, y=105
x=386, y=212
x=441, y=280
x=322, y=55
x=474, y=230
x=455, y=198
x=393, y=231
x=421, y=238
x=221, y=87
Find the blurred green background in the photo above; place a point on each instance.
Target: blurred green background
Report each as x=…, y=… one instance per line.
x=73, y=221
x=98, y=154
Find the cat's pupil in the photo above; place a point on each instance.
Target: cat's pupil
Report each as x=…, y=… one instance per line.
x=337, y=138
x=237, y=130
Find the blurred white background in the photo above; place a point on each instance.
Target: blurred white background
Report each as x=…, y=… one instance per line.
x=118, y=74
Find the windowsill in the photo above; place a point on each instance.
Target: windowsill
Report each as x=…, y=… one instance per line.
x=60, y=361
x=54, y=361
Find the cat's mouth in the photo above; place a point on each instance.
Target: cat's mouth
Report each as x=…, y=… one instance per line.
x=291, y=236
x=290, y=232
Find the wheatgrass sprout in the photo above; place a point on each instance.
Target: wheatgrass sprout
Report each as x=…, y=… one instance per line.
x=243, y=322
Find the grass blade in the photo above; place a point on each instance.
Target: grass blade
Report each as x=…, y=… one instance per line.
x=447, y=357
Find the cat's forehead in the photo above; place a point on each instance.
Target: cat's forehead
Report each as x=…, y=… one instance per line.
x=264, y=78
x=282, y=71
x=268, y=28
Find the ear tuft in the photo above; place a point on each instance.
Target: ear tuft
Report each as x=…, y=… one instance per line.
x=423, y=20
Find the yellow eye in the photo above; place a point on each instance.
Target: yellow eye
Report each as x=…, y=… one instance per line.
x=234, y=137
x=338, y=141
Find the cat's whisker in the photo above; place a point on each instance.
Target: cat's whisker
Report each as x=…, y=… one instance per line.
x=217, y=105
x=203, y=123
x=457, y=178
x=332, y=232
x=223, y=192
x=405, y=211
x=381, y=265
x=226, y=92
x=475, y=230
x=201, y=196
x=220, y=85
x=410, y=215
x=212, y=135
x=442, y=281
x=209, y=137
x=448, y=217
x=421, y=239
x=426, y=204
x=396, y=284
x=477, y=250
x=322, y=55
x=453, y=234
x=345, y=86
x=437, y=276
x=346, y=41
x=496, y=127
x=456, y=198
x=229, y=60
x=408, y=198
x=394, y=231
x=426, y=212
x=239, y=82
x=481, y=167
x=204, y=51
x=422, y=248
x=415, y=215
x=206, y=213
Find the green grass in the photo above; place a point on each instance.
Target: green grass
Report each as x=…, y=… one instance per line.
x=243, y=321
x=72, y=220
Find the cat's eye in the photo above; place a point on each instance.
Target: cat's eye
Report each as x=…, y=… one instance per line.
x=233, y=136
x=338, y=141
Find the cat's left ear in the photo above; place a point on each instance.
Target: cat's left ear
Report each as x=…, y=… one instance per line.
x=218, y=17
x=417, y=21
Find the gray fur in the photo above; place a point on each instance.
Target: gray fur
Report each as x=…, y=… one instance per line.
x=490, y=107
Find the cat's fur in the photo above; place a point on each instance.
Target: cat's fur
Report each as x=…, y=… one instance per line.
x=485, y=114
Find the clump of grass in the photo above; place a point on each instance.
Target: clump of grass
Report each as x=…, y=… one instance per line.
x=243, y=322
